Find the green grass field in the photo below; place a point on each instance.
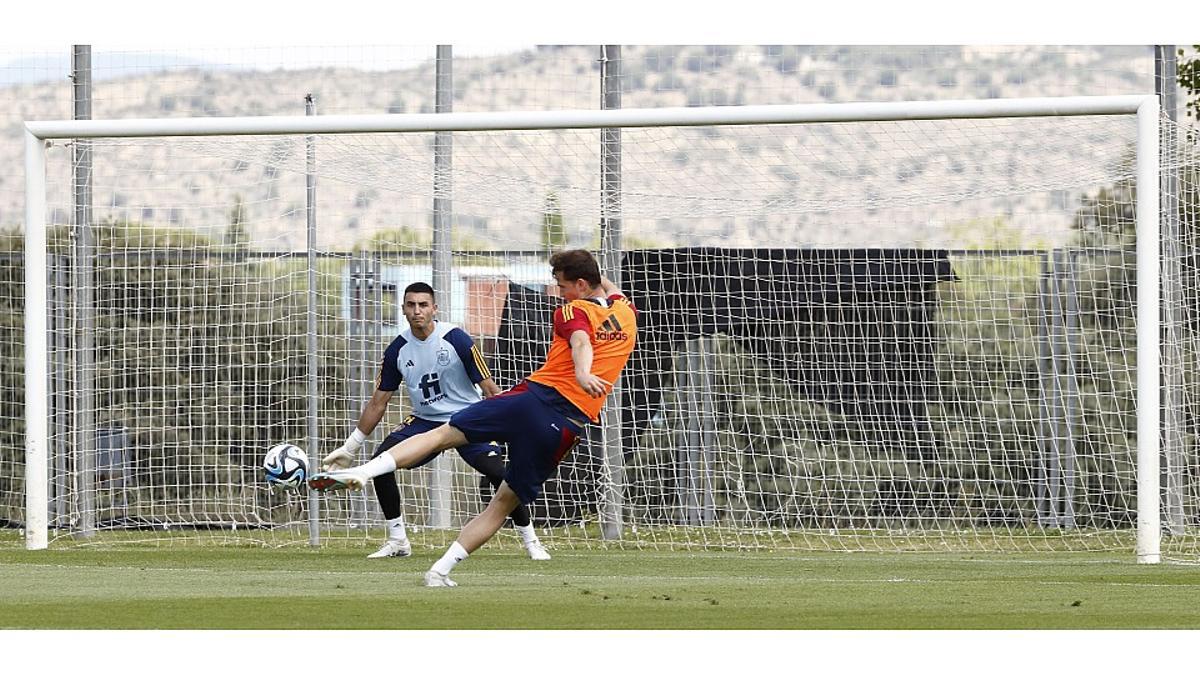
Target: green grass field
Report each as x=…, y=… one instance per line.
x=197, y=587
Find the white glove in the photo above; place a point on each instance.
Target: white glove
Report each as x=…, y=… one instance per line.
x=343, y=457
x=338, y=459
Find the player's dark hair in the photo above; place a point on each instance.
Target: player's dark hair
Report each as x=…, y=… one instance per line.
x=420, y=287
x=576, y=264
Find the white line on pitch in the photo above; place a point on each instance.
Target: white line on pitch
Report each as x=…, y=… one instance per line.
x=620, y=578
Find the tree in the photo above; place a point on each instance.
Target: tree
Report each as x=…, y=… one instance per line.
x=396, y=240
x=195, y=354
x=554, y=233
x=1189, y=79
x=236, y=236
x=1105, y=274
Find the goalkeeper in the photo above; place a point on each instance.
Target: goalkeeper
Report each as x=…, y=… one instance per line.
x=440, y=366
x=541, y=418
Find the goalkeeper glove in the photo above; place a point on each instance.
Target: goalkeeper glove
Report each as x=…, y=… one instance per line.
x=343, y=457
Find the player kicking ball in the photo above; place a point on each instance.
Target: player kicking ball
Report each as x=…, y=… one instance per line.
x=440, y=367
x=540, y=419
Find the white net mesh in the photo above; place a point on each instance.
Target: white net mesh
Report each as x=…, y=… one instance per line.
x=866, y=336
x=800, y=182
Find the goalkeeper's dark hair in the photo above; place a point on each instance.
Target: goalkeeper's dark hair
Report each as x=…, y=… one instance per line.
x=576, y=264
x=420, y=287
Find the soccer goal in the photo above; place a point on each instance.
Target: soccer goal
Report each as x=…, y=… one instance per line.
x=879, y=326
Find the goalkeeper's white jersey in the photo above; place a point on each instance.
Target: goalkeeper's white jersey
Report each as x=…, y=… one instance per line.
x=440, y=372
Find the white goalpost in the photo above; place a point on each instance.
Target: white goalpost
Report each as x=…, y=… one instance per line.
x=813, y=387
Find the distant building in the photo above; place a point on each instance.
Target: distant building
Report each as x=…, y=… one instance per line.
x=475, y=300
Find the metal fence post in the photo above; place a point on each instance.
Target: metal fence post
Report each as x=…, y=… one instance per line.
x=314, y=406
x=84, y=281
x=1174, y=309
x=443, y=188
x=612, y=499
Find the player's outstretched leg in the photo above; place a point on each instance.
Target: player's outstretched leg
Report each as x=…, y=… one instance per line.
x=344, y=479
x=408, y=452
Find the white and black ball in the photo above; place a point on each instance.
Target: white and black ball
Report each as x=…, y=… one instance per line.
x=286, y=466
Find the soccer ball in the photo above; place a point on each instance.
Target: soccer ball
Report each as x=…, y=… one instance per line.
x=286, y=466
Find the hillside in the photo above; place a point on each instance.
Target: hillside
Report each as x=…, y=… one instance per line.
x=825, y=187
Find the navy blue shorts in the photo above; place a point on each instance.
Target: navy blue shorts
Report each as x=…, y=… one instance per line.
x=415, y=425
x=538, y=436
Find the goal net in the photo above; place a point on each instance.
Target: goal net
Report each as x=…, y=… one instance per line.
x=891, y=335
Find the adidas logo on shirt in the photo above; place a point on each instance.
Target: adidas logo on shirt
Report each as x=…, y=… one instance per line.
x=611, y=330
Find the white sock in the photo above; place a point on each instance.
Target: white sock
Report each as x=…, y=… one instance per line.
x=395, y=529
x=528, y=534
x=378, y=466
x=454, y=555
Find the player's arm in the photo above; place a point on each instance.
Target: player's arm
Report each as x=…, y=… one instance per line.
x=581, y=354
x=372, y=414
x=489, y=387
x=386, y=385
x=572, y=326
x=610, y=289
